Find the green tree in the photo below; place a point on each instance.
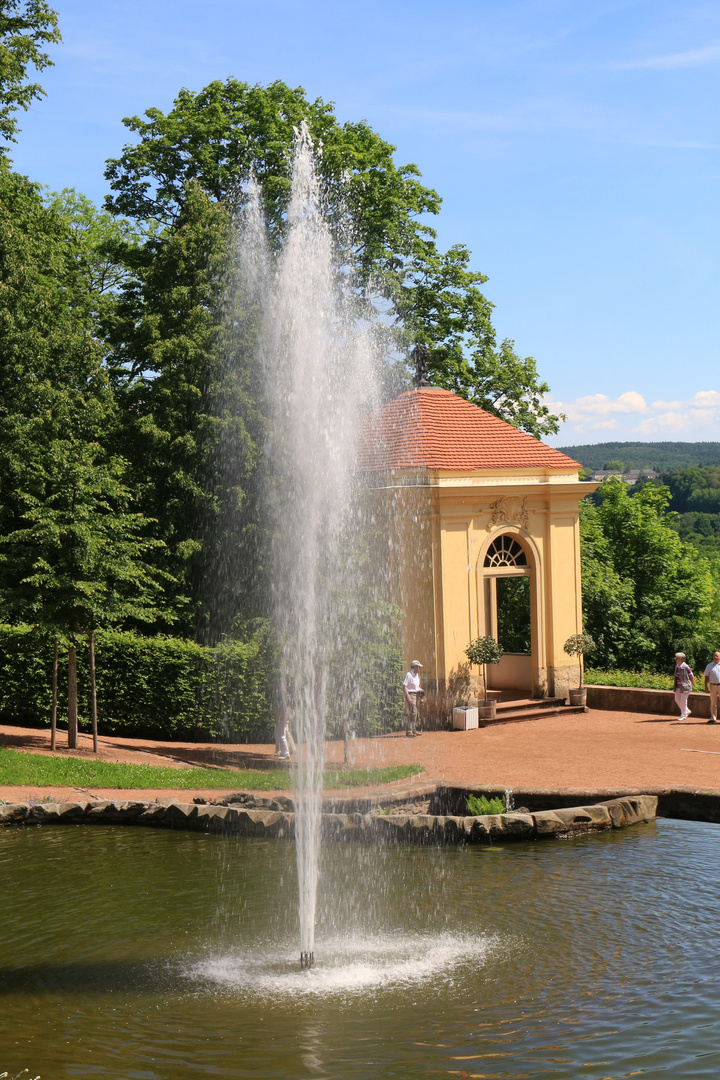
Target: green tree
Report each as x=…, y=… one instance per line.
x=215, y=139
x=171, y=334
x=70, y=549
x=77, y=561
x=186, y=397
x=26, y=26
x=645, y=592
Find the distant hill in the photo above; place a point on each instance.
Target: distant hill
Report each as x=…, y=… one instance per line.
x=660, y=456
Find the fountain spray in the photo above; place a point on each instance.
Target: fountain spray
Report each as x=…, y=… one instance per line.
x=318, y=364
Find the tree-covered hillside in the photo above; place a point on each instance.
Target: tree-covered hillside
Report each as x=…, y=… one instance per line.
x=660, y=456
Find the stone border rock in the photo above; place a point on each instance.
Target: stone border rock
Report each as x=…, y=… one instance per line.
x=437, y=829
x=688, y=804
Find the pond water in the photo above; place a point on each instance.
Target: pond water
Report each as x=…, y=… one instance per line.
x=134, y=953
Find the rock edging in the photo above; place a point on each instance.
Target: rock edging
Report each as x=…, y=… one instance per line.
x=436, y=829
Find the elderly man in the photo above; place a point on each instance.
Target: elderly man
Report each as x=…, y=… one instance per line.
x=412, y=694
x=711, y=675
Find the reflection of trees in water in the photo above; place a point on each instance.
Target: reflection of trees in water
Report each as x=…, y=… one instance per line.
x=513, y=614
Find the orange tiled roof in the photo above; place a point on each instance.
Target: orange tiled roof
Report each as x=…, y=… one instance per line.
x=432, y=428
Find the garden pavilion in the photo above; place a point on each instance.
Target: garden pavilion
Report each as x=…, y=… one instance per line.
x=483, y=538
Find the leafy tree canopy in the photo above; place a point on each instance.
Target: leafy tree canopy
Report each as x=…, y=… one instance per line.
x=212, y=141
x=646, y=593
x=26, y=26
x=70, y=547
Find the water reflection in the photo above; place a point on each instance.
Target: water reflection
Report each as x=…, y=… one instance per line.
x=135, y=953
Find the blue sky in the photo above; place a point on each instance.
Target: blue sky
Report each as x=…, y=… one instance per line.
x=575, y=143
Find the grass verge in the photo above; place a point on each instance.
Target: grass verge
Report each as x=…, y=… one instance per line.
x=17, y=767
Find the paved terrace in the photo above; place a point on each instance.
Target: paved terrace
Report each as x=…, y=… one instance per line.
x=609, y=750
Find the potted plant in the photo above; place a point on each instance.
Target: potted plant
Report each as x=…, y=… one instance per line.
x=578, y=645
x=483, y=651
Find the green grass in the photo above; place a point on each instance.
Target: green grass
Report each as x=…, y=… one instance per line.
x=646, y=680
x=21, y=768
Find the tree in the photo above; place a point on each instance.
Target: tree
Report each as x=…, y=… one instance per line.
x=645, y=592
x=186, y=394
x=25, y=27
x=77, y=561
x=102, y=244
x=171, y=333
x=483, y=651
x=214, y=140
x=71, y=551
x=578, y=645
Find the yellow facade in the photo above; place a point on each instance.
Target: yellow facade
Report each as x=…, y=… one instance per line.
x=441, y=525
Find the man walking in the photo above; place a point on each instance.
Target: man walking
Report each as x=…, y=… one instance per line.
x=412, y=694
x=683, y=685
x=711, y=675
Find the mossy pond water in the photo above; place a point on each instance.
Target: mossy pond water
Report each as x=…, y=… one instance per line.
x=134, y=954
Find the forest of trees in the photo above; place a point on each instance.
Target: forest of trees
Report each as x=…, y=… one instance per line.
x=115, y=398
x=659, y=456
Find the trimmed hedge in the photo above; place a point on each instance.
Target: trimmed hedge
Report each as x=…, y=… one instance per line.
x=162, y=688
x=646, y=680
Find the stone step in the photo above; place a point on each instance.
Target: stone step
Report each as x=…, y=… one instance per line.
x=532, y=704
x=514, y=716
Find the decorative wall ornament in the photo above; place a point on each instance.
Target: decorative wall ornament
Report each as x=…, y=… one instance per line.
x=510, y=508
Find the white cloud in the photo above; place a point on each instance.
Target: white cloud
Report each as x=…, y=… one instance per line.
x=693, y=418
x=598, y=411
x=707, y=54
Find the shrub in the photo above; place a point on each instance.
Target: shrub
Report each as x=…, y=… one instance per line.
x=163, y=688
x=478, y=805
x=646, y=680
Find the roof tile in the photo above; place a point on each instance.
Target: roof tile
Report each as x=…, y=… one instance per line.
x=431, y=428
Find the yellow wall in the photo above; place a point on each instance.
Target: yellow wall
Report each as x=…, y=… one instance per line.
x=439, y=533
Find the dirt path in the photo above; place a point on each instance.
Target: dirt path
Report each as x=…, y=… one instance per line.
x=594, y=750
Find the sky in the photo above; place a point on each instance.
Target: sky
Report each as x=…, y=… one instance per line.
x=576, y=146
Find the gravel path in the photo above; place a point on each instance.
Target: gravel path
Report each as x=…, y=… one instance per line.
x=592, y=750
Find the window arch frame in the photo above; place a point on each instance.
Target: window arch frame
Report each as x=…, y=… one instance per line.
x=506, y=553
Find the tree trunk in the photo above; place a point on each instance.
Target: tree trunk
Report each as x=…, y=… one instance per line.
x=93, y=691
x=53, y=709
x=72, y=699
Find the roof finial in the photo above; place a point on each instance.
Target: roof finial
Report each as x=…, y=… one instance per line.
x=421, y=358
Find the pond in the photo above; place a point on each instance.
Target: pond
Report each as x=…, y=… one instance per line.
x=134, y=953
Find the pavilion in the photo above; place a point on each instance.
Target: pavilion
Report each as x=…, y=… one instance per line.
x=482, y=531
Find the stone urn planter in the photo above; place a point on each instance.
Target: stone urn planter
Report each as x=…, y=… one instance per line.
x=578, y=696
x=486, y=711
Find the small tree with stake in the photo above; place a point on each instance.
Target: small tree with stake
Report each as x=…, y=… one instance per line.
x=77, y=560
x=483, y=651
x=578, y=645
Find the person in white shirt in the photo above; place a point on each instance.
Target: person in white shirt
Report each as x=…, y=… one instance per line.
x=412, y=694
x=711, y=675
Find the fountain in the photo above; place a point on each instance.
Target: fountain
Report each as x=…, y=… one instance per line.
x=318, y=367
x=164, y=954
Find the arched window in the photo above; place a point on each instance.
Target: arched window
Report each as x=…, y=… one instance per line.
x=505, y=551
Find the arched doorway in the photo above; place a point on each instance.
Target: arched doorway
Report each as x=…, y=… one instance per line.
x=507, y=581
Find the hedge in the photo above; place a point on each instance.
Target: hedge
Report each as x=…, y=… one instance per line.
x=163, y=688
x=646, y=680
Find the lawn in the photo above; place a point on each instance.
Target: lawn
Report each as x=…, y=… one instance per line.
x=17, y=767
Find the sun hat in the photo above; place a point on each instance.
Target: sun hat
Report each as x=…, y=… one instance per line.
x=416, y=663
